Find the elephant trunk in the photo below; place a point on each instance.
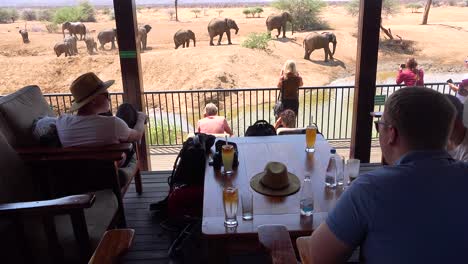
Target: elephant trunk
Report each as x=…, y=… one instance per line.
x=237, y=30
x=194, y=42
x=334, y=47
x=292, y=28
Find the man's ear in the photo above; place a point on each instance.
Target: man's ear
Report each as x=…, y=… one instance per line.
x=392, y=135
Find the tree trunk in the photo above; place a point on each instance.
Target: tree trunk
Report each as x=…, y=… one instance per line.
x=426, y=12
x=176, y=17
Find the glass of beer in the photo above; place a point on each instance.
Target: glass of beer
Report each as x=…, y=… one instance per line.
x=311, y=135
x=228, y=158
x=230, y=201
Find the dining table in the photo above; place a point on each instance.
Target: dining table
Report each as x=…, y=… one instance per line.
x=253, y=154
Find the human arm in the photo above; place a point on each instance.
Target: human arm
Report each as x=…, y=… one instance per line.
x=301, y=83
x=137, y=132
x=278, y=122
x=420, y=77
x=227, y=128
x=400, y=77
x=280, y=82
x=326, y=248
x=453, y=87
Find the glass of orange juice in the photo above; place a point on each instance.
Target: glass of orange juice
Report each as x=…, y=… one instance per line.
x=230, y=202
x=311, y=135
x=228, y=158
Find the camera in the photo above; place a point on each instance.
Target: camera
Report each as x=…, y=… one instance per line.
x=402, y=65
x=449, y=81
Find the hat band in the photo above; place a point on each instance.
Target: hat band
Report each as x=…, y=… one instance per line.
x=269, y=187
x=88, y=95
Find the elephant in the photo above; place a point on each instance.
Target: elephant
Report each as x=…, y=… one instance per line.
x=315, y=41
x=24, y=35
x=62, y=47
x=90, y=45
x=106, y=36
x=279, y=22
x=219, y=26
x=74, y=28
x=183, y=37
x=142, y=35
x=72, y=40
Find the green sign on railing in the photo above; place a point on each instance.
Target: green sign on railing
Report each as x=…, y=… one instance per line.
x=379, y=99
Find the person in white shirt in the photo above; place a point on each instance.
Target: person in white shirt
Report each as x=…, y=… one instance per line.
x=87, y=127
x=458, y=140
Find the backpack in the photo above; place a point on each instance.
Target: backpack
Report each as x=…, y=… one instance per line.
x=260, y=128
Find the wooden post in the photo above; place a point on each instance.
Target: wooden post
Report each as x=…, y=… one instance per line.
x=130, y=64
x=366, y=71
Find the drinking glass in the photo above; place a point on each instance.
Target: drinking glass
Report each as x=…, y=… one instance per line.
x=228, y=158
x=230, y=201
x=247, y=205
x=352, y=169
x=311, y=135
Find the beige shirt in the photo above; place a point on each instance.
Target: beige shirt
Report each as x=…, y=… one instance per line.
x=92, y=130
x=461, y=151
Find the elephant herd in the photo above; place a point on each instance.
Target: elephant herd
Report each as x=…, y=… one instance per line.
x=216, y=27
x=68, y=45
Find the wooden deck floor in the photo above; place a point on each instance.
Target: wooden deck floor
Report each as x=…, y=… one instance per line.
x=151, y=243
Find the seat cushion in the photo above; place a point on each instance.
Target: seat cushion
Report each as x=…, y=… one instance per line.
x=127, y=173
x=290, y=131
x=18, y=112
x=98, y=219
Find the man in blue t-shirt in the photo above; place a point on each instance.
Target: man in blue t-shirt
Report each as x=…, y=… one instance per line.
x=412, y=211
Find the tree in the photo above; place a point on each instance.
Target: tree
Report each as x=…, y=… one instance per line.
x=13, y=13
x=258, y=10
x=219, y=11
x=414, y=7
x=28, y=15
x=426, y=12
x=87, y=12
x=196, y=12
x=44, y=15
x=176, y=17
x=247, y=12
x=304, y=12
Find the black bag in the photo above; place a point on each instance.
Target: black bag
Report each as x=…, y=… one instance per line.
x=218, y=159
x=279, y=107
x=189, y=166
x=260, y=128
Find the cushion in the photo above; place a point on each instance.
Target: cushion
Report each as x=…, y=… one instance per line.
x=18, y=112
x=44, y=130
x=290, y=131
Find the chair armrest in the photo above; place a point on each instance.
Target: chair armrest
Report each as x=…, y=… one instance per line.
x=275, y=238
x=110, y=152
x=113, y=244
x=303, y=247
x=55, y=206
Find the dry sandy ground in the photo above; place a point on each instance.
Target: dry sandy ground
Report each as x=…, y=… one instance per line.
x=441, y=46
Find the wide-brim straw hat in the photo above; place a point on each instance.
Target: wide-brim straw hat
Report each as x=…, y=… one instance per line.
x=275, y=180
x=85, y=88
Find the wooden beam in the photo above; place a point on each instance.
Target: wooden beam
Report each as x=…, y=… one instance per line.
x=366, y=71
x=130, y=63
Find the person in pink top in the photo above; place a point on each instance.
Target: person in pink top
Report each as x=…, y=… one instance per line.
x=212, y=123
x=410, y=75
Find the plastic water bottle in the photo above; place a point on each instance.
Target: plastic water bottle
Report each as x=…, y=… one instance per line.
x=332, y=175
x=307, y=197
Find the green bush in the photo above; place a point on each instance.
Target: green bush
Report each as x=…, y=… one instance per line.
x=389, y=7
x=84, y=12
x=52, y=28
x=13, y=14
x=161, y=134
x=4, y=15
x=106, y=11
x=258, y=10
x=247, y=12
x=414, y=7
x=29, y=15
x=44, y=15
x=257, y=41
x=305, y=13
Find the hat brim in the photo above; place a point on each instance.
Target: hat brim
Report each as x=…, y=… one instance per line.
x=293, y=187
x=77, y=105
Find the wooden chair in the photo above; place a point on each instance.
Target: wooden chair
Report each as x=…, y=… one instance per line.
x=113, y=245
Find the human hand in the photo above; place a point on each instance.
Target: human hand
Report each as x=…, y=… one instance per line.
x=143, y=116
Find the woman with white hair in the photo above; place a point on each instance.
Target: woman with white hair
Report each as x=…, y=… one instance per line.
x=289, y=83
x=212, y=123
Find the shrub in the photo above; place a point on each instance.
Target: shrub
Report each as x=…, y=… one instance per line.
x=171, y=14
x=29, y=15
x=389, y=7
x=52, y=27
x=452, y=2
x=247, y=12
x=304, y=12
x=106, y=11
x=83, y=12
x=196, y=12
x=258, y=10
x=44, y=15
x=13, y=14
x=257, y=41
x=219, y=11
x=86, y=11
x=4, y=15
x=112, y=15
x=414, y=7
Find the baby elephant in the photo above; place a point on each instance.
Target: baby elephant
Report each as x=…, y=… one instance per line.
x=62, y=47
x=90, y=45
x=24, y=35
x=72, y=40
x=183, y=37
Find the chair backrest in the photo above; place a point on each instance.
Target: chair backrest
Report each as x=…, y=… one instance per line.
x=18, y=112
x=290, y=131
x=15, y=179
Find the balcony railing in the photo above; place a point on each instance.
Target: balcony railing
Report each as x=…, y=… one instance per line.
x=174, y=114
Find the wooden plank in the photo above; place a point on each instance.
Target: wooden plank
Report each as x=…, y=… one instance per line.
x=366, y=71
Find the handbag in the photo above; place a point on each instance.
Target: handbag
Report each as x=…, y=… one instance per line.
x=278, y=108
x=260, y=128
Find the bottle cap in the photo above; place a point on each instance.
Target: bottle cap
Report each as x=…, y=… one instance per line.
x=333, y=151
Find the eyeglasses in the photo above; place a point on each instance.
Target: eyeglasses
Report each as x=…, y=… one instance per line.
x=107, y=95
x=379, y=122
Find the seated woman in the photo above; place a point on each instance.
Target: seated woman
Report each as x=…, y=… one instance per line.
x=287, y=119
x=410, y=75
x=212, y=123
